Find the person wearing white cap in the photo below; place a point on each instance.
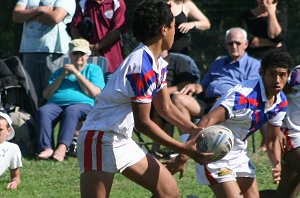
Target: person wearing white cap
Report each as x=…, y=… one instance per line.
x=70, y=97
x=10, y=154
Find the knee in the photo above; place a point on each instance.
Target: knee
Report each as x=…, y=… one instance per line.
x=178, y=99
x=170, y=190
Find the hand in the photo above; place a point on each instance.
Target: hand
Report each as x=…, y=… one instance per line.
x=95, y=49
x=70, y=68
x=270, y=7
x=185, y=27
x=176, y=164
x=276, y=172
x=190, y=147
x=189, y=89
x=12, y=185
x=45, y=9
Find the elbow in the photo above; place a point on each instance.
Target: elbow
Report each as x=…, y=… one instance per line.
x=208, y=25
x=165, y=110
x=141, y=125
x=96, y=92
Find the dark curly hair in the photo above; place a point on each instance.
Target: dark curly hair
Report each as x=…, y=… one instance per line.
x=277, y=58
x=149, y=17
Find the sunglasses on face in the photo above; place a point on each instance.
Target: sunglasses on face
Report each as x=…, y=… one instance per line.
x=78, y=53
x=231, y=43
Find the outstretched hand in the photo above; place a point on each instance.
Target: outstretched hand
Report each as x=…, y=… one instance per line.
x=199, y=157
x=276, y=173
x=177, y=164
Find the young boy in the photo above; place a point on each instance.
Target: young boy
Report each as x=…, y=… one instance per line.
x=244, y=109
x=105, y=144
x=10, y=154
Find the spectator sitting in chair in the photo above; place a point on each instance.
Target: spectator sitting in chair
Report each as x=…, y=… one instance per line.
x=70, y=94
x=194, y=100
x=10, y=154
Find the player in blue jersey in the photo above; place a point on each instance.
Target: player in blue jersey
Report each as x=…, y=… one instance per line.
x=105, y=144
x=289, y=185
x=244, y=109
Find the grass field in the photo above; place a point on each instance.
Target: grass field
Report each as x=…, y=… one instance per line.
x=49, y=179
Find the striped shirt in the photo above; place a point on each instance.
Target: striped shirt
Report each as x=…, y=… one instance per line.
x=137, y=79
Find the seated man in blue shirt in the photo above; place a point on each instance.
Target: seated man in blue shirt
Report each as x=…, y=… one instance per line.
x=195, y=100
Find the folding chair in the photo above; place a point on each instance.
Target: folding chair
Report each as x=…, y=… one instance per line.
x=98, y=60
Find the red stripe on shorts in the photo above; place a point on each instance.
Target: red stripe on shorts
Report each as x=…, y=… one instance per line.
x=209, y=177
x=99, y=151
x=88, y=154
x=288, y=139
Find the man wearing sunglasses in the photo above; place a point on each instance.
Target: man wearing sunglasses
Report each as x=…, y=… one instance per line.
x=195, y=100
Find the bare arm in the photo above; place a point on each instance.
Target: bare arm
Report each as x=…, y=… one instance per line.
x=22, y=14
x=215, y=116
x=274, y=28
x=263, y=42
x=274, y=143
x=201, y=22
x=15, y=179
x=144, y=124
x=51, y=89
x=111, y=37
x=88, y=87
x=53, y=17
x=189, y=89
x=177, y=87
x=167, y=110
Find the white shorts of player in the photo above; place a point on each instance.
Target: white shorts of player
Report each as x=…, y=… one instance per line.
x=108, y=152
x=292, y=138
x=234, y=164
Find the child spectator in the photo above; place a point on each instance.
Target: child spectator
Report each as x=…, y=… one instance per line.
x=10, y=154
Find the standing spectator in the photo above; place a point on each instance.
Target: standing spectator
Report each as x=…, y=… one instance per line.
x=10, y=154
x=266, y=27
x=70, y=93
x=44, y=39
x=105, y=20
x=243, y=109
x=187, y=17
x=194, y=100
x=105, y=144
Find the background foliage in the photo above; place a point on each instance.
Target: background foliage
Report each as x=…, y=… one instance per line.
x=206, y=45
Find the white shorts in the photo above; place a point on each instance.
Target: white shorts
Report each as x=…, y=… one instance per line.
x=108, y=152
x=292, y=138
x=235, y=164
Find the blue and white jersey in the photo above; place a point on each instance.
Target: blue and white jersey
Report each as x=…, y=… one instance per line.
x=248, y=110
x=291, y=123
x=137, y=79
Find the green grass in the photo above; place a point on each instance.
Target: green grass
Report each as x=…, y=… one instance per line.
x=47, y=179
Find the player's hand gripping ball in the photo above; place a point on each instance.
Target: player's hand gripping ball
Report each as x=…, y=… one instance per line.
x=217, y=139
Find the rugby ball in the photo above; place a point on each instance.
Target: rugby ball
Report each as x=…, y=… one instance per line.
x=217, y=139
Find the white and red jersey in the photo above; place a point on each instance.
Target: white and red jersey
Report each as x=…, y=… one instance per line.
x=137, y=79
x=246, y=105
x=248, y=110
x=291, y=124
